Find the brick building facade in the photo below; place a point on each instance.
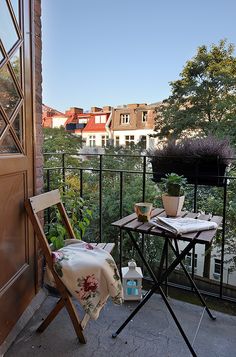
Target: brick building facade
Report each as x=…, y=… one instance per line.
x=133, y=123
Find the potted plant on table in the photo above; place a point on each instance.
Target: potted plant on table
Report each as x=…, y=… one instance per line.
x=201, y=160
x=173, y=196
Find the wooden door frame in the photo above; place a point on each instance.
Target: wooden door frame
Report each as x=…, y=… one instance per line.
x=32, y=52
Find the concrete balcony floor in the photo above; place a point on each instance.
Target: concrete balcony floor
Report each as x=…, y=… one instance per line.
x=151, y=333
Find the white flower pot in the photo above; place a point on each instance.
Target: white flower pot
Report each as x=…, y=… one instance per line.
x=173, y=204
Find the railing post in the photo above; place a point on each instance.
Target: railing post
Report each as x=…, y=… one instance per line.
x=100, y=198
x=223, y=238
x=63, y=172
x=48, y=189
x=193, y=265
x=144, y=176
x=143, y=199
x=195, y=197
x=81, y=183
x=48, y=180
x=121, y=214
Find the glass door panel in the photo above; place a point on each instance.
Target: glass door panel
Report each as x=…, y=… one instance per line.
x=8, y=33
x=18, y=127
x=15, y=64
x=8, y=145
x=2, y=124
x=15, y=5
x=9, y=96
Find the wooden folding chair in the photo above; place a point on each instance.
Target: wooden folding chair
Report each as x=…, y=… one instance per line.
x=33, y=206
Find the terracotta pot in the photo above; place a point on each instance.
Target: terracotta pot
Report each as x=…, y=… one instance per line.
x=173, y=204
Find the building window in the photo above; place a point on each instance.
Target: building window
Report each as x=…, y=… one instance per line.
x=100, y=119
x=124, y=118
x=92, y=140
x=129, y=140
x=151, y=142
x=189, y=262
x=117, y=141
x=143, y=141
x=217, y=267
x=144, y=116
x=83, y=120
x=104, y=140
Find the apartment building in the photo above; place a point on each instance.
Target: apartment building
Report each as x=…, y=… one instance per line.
x=123, y=125
x=76, y=120
x=97, y=131
x=197, y=259
x=134, y=123
x=93, y=127
x=52, y=118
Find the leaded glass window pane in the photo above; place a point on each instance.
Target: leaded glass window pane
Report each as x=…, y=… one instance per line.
x=9, y=96
x=15, y=5
x=8, y=145
x=18, y=127
x=15, y=63
x=2, y=124
x=8, y=33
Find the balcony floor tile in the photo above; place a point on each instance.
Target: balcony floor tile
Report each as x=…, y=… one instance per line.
x=151, y=333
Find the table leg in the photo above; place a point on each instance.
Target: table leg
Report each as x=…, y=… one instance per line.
x=156, y=286
x=121, y=251
x=176, y=252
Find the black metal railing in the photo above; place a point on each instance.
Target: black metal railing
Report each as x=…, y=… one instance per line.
x=61, y=166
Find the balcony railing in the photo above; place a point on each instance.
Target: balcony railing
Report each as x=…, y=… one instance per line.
x=111, y=184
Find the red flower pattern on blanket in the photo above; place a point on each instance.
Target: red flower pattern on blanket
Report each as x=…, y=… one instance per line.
x=57, y=256
x=90, y=274
x=88, y=287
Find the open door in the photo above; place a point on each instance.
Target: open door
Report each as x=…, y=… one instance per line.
x=17, y=251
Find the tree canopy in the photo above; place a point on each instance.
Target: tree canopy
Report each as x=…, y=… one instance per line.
x=57, y=140
x=203, y=100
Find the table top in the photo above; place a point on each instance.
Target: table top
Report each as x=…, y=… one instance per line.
x=131, y=223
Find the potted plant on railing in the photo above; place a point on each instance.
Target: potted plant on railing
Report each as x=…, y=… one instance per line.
x=173, y=196
x=201, y=160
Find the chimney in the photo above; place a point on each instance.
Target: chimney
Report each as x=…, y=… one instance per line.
x=74, y=110
x=95, y=109
x=106, y=109
x=133, y=106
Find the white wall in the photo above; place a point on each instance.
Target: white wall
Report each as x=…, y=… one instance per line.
x=137, y=134
x=228, y=278
x=57, y=122
x=98, y=137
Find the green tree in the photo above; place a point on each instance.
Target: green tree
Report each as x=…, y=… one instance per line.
x=58, y=140
x=203, y=100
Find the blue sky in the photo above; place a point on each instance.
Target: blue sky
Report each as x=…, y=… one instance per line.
x=114, y=52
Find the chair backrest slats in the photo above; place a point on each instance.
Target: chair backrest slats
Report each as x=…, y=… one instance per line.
x=36, y=204
x=45, y=200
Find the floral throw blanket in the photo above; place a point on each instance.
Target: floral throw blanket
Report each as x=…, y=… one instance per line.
x=90, y=274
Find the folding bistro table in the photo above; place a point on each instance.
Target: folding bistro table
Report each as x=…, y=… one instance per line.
x=130, y=224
